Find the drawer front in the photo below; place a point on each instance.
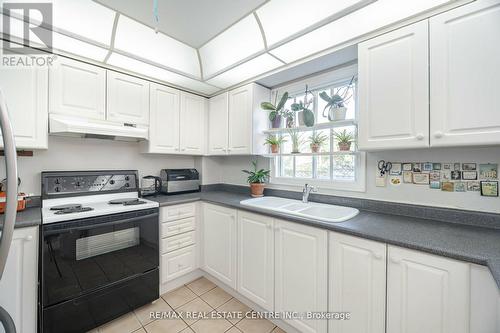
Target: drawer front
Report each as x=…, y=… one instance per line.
x=177, y=242
x=177, y=227
x=171, y=213
x=178, y=263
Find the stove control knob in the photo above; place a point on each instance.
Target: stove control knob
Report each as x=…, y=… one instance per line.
x=127, y=178
x=57, y=181
x=111, y=181
x=57, y=189
x=127, y=185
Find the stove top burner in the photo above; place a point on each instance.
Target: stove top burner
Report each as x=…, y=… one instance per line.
x=127, y=202
x=67, y=206
x=73, y=209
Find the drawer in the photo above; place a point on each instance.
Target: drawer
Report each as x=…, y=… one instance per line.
x=178, y=263
x=176, y=242
x=177, y=227
x=171, y=213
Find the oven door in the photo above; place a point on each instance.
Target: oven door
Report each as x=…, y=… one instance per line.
x=80, y=257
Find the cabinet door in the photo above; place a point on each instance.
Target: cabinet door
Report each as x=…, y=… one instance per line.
x=357, y=284
x=465, y=75
x=19, y=284
x=301, y=273
x=77, y=89
x=26, y=93
x=218, y=125
x=164, y=116
x=219, y=243
x=485, y=301
x=393, y=89
x=240, y=121
x=178, y=263
x=426, y=293
x=192, y=128
x=256, y=259
x=128, y=99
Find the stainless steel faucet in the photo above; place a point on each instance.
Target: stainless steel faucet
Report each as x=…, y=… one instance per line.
x=306, y=191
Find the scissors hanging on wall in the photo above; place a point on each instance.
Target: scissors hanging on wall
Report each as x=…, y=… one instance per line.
x=384, y=167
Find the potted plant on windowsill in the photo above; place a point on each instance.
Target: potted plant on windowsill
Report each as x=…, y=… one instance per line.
x=344, y=140
x=335, y=104
x=317, y=140
x=305, y=115
x=275, y=110
x=296, y=138
x=257, y=179
x=275, y=142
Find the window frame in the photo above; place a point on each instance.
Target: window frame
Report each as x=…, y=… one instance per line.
x=330, y=79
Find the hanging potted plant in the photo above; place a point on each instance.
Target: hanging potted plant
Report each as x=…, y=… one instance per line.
x=257, y=179
x=335, y=108
x=275, y=142
x=296, y=138
x=275, y=110
x=305, y=115
x=317, y=140
x=344, y=140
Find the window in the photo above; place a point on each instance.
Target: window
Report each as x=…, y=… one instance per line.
x=332, y=166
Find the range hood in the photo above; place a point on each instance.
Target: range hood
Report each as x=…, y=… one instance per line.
x=101, y=129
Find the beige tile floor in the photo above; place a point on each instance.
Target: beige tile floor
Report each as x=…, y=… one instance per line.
x=199, y=296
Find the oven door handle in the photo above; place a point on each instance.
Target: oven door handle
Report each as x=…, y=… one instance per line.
x=54, y=229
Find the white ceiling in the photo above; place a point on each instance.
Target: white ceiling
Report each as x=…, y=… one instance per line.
x=193, y=22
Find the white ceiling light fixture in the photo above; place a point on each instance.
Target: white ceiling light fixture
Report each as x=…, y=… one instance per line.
x=241, y=41
x=140, y=40
x=373, y=17
x=160, y=74
x=296, y=15
x=245, y=71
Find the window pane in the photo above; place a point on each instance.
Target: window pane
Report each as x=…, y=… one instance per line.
x=323, y=167
x=321, y=107
x=287, y=166
x=286, y=147
x=340, y=131
x=343, y=167
x=324, y=136
x=303, y=166
x=347, y=94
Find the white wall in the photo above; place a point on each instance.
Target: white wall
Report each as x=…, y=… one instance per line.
x=67, y=153
x=228, y=170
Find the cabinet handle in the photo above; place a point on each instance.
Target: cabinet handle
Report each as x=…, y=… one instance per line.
x=183, y=149
x=438, y=134
x=395, y=260
x=420, y=136
x=269, y=226
x=28, y=238
x=377, y=255
x=176, y=149
x=228, y=149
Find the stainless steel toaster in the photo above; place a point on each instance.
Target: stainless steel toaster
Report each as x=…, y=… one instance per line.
x=175, y=181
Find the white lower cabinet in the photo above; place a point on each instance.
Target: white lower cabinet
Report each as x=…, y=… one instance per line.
x=301, y=273
x=357, y=277
x=256, y=258
x=426, y=293
x=219, y=243
x=484, y=301
x=178, y=263
x=19, y=284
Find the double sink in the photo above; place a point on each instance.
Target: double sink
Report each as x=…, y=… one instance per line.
x=317, y=211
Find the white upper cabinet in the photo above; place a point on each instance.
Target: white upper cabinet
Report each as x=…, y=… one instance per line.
x=128, y=99
x=393, y=89
x=426, y=293
x=256, y=258
x=192, y=124
x=301, y=273
x=26, y=92
x=19, y=284
x=77, y=89
x=357, y=284
x=219, y=243
x=465, y=75
x=218, y=124
x=164, y=120
x=246, y=120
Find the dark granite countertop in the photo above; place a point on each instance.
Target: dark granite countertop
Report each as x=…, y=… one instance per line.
x=27, y=218
x=469, y=243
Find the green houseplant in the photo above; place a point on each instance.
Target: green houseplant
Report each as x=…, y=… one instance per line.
x=317, y=140
x=344, y=139
x=274, y=142
x=296, y=138
x=335, y=104
x=275, y=110
x=256, y=179
x=304, y=114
